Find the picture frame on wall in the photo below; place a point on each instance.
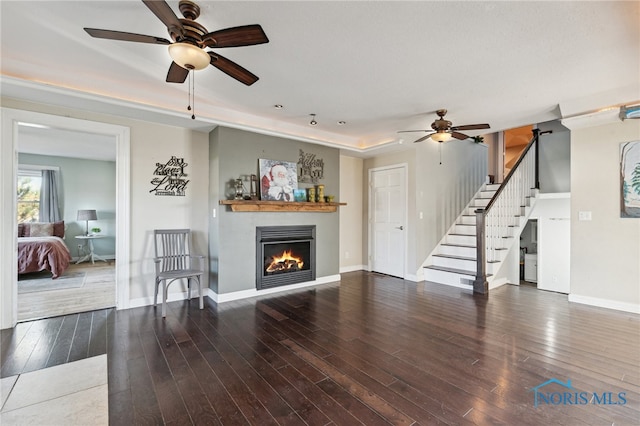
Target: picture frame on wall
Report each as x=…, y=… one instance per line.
x=630, y=179
x=278, y=180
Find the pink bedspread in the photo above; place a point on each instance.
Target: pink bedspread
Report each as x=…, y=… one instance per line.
x=43, y=253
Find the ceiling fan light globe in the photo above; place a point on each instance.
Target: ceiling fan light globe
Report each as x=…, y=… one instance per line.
x=441, y=136
x=189, y=56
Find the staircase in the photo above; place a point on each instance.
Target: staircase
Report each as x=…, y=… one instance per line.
x=502, y=210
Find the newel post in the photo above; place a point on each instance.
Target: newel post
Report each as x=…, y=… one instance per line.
x=480, y=284
x=536, y=136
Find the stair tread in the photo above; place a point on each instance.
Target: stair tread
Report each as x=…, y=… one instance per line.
x=453, y=270
x=451, y=256
x=457, y=245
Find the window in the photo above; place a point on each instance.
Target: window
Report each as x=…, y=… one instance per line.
x=29, y=183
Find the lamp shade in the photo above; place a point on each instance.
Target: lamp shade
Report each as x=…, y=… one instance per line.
x=87, y=215
x=441, y=136
x=189, y=56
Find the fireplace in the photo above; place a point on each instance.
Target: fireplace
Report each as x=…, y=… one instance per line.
x=285, y=255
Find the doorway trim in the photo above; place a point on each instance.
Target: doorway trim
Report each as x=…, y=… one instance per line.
x=11, y=118
x=405, y=168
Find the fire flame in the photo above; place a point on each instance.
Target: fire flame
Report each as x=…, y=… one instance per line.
x=284, y=262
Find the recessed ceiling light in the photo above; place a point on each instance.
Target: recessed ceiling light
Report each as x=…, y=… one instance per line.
x=341, y=123
x=278, y=106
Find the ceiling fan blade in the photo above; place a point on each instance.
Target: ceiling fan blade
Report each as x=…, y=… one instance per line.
x=460, y=136
x=177, y=74
x=246, y=35
x=410, y=131
x=423, y=138
x=161, y=9
x=232, y=69
x=471, y=127
x=119, y=35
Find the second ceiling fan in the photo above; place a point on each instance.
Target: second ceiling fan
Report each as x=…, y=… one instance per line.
x=190, y=39
x=443, y=130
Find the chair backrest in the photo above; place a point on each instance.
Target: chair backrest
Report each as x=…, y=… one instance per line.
x=173, y=248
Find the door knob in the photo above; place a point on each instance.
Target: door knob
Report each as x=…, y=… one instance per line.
x=399, y=227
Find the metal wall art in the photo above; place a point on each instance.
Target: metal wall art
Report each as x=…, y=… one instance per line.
x=170, y=178
x=310, y=168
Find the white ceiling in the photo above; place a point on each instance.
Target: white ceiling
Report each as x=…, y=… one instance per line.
x=380, y=66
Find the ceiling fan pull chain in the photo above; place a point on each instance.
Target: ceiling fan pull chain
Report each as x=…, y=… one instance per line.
x=189, y=92
x=440, y=149
x=193, y=95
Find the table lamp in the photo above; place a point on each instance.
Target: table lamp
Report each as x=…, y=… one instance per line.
x=87, y=215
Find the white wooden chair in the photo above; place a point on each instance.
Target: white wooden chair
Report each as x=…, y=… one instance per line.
x=174, y=261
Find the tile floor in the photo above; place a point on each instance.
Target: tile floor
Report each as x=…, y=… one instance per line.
x=68, y=394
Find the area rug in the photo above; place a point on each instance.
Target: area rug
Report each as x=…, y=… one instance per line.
x=42, y=282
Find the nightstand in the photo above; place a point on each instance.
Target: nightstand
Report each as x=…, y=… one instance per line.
x=88, y=240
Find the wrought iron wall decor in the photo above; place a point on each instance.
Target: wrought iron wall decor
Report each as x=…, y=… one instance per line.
x=170, y=178
x=310, y=168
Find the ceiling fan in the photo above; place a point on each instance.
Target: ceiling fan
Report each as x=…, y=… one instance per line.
x=442, y=130
x=190, y=39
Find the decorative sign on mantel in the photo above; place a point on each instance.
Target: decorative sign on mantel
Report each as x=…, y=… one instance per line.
x=170, y=178
x=310, y=168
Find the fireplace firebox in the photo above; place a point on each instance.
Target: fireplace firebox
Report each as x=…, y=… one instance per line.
x=285, y=255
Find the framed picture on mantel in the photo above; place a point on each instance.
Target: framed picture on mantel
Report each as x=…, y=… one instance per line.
x=278, y=180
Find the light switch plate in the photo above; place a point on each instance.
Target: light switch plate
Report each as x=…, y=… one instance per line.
x=584, y=215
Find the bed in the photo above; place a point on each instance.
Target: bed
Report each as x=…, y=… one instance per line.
x=41, y=248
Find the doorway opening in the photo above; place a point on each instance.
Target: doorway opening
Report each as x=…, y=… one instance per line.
x=12, y=121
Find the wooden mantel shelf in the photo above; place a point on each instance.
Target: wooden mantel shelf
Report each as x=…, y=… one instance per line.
x=280, y=206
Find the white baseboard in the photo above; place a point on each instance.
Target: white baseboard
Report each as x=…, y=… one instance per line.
x=171, y=297
x=353, y=268
x=228, y=297
x=245, y=294
x=412, y=278
x=106, y=256
x=605, y=303
x=497, y=283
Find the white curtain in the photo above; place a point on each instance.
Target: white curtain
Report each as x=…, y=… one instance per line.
x=49, y=200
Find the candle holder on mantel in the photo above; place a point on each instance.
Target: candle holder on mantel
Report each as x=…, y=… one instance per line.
x=239, y=189
x=312, y=195
x=321, y=193
x=253, y=192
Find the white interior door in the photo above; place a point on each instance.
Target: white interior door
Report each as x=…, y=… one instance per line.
x=554, y=254
x=387, y=218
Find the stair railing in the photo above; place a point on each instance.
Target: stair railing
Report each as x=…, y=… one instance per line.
x=503, y=211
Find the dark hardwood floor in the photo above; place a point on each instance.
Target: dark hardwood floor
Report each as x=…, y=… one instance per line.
x=372, y=350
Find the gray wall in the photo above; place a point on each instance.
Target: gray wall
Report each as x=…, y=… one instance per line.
x=234, y=153
x=84, y=184
x=555, y=158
